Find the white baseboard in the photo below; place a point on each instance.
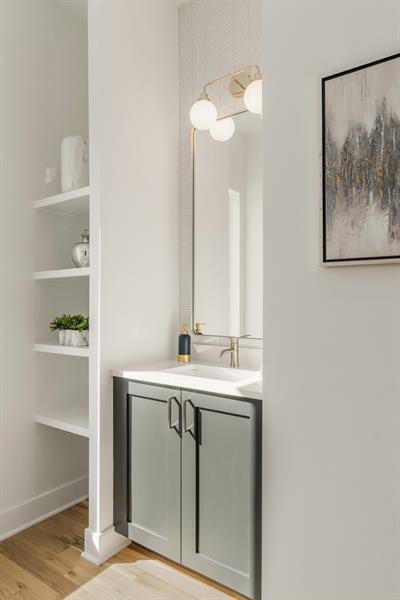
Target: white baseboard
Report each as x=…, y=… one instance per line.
x=99, y=547
x=42, y=507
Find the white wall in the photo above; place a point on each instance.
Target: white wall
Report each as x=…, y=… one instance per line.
x=332, y=335
x=134, y=103
x=43, y=82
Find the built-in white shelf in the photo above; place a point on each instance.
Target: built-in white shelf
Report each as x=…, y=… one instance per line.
x=62, y=273
x=75, y=202
x=72, y=417
x=67, y=350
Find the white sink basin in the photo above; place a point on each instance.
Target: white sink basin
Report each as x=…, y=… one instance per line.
x=214, y=372
x=200, y=377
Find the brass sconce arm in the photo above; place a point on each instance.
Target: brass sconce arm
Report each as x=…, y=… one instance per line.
x=241, y=78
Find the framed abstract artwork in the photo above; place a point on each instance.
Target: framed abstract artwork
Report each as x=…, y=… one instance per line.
x=361, y=164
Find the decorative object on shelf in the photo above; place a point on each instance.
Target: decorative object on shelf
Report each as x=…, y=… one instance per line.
x=74, y=163
x=361, y=164
x=246, y=84
x=81, y=251
x=50, y=174
x=184, y=354
x=73, y=330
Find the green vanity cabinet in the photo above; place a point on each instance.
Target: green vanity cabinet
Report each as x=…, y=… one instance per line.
x=187, y=473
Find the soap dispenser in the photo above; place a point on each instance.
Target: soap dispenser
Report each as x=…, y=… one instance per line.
x=184, y=355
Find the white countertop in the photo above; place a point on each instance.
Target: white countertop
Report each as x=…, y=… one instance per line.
x=251, y=387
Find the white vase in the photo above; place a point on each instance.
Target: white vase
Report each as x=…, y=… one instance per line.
x=76, y=339
x=74, y=163
x=81, y=251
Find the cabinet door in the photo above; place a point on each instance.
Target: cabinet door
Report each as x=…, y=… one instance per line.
x=218, y=490
x=155, y=469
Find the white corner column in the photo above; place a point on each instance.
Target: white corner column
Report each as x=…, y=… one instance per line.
x=134, y=219
x=100, y=546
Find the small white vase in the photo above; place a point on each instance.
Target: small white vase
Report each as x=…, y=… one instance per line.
x=81, y=251
x=76, y=339
x=74, y=163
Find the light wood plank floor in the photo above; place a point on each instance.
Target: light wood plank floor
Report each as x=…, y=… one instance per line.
x=45, y=563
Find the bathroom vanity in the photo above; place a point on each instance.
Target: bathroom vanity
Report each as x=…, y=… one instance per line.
x=187, y=468
x=187, y=439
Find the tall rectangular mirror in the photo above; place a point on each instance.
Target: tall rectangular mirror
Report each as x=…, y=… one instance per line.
x=227, y=230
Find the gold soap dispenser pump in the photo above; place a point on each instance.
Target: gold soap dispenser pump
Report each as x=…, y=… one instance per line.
x=184, y=355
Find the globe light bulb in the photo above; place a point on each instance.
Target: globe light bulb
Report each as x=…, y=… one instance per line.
x=253, y=97
x=222, y=130
x=203, y=114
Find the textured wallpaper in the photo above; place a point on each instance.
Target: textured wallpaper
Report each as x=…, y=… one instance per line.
x=216, y=38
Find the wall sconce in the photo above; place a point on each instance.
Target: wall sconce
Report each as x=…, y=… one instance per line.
x=203, y=113
x=222, y=129
x=246, y=84
x=253, y=96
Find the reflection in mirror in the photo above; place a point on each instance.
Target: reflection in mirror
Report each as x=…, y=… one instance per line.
x=227, y=288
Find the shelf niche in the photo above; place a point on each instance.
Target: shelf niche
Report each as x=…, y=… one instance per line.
x=73, y=418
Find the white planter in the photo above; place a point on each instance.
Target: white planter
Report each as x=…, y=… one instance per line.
x=76, y=339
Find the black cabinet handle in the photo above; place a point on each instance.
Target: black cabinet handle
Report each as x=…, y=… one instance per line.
x=188, y=428
x=177, y=424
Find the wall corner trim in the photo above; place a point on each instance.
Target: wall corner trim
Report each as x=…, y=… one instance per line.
x=42, y=507
x=100, y=546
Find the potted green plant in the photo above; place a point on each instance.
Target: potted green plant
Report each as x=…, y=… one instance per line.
x=73, y=330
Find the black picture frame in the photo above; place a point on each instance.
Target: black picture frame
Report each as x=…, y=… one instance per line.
x=351, y=260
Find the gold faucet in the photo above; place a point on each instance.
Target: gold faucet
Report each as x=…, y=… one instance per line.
x=234, y=351
x=197, y=329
